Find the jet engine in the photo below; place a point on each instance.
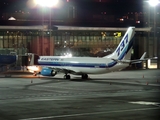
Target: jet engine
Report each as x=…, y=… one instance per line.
x=48, y=72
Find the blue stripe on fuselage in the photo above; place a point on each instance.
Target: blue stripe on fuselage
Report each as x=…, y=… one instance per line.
x=92, y=65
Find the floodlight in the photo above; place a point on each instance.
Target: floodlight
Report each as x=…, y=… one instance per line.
x=47, y=3
x=153, y=2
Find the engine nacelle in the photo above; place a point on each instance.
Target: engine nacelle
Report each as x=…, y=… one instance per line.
x=48, y=72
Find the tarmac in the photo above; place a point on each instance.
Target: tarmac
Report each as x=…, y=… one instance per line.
x=123, y=95
x=136, y=77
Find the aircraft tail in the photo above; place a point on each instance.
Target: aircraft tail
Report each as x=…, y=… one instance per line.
x=123, y=51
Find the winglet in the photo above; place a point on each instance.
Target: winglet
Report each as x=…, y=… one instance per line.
x=143, y=56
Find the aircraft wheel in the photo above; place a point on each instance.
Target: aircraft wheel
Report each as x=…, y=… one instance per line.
x=84, y=76
x=34, y=74
x=67, y=76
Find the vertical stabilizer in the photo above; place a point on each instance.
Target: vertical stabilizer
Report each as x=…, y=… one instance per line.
x=123, y=51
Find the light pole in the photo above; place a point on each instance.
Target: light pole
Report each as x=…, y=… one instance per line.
x=153, y=4
x=48, y=4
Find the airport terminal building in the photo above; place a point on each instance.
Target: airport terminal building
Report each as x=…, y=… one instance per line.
x=76, y=41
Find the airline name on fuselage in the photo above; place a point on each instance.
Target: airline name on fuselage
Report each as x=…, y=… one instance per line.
x=50, y=59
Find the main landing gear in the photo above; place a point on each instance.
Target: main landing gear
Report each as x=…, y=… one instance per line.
x=84, y=76
x=67, y=76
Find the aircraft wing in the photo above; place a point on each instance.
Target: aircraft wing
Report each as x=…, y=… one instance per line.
x=139, y=60
x=122, y=61
x=142, y=59
x=135, y=61
x=131, y=61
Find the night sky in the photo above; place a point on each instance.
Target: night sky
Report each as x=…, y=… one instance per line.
x=119, y=5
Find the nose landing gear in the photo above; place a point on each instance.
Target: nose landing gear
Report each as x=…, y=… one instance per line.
x=84, y=76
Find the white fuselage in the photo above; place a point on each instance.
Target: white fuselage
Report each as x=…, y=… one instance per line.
x=87, y=65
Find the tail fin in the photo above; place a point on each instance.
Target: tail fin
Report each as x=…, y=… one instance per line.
x=124, y=48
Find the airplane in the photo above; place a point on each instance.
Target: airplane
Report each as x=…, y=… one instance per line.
x=7, y=59
x=118, y=60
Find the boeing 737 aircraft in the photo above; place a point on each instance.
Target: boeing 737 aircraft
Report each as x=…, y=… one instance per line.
x=118, y=60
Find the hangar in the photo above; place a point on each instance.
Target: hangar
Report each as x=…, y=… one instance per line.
x=76, y=41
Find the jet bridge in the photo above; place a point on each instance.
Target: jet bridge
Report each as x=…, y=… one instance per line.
x=8, y=59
